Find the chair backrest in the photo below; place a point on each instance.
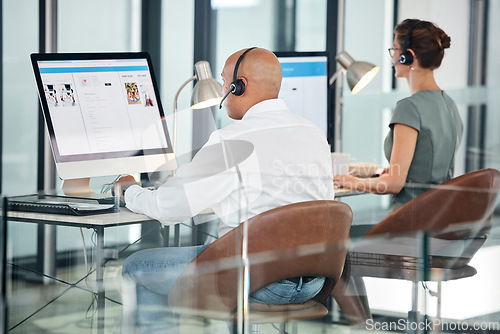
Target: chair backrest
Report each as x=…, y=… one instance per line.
x=301, y=239
x=456, y=209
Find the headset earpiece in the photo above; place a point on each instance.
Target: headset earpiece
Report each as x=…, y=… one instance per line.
x=237, y=87
x=406, y=58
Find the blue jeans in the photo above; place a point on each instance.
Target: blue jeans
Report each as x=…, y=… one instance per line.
x=154, y=272
x=287, y=292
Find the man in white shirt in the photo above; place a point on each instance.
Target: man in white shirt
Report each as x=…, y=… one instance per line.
x=270, y=157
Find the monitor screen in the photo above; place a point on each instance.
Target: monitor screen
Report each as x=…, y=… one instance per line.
x=305, y=85
x=103, y=114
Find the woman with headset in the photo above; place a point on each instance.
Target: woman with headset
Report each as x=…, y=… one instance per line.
x=425, y=128
x=425, y=131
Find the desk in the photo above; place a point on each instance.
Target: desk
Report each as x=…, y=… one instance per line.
x=96, y=222
x=343, y=192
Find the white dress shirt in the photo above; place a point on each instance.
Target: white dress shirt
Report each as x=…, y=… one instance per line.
x=270, y=158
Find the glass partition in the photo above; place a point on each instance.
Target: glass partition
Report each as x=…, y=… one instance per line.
x=3, y=236
x=419, y=283
x=416, y=268
x=73, y=285
x=428, y=267
x=419, y=266
x=19, y=97
x=222, y=288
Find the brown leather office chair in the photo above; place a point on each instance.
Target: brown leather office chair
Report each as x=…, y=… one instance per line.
x=455, y=214
x=301, y=239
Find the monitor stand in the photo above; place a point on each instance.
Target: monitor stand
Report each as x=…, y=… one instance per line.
x=77, y=187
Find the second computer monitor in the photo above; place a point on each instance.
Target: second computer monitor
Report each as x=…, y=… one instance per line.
x=305, y=85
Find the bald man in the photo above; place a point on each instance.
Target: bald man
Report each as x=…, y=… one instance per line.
x=270, y=157
x=260, y=74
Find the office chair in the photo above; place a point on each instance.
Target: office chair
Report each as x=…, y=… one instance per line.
x=301, y=239
x=456, y=217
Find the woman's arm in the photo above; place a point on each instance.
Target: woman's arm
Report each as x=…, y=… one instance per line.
x=394, y=178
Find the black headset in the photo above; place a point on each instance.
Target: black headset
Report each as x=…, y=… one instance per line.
x=237, y=87
x=406, y=57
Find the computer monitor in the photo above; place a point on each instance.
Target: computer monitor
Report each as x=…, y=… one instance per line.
x=103, y=114
x=305, y=85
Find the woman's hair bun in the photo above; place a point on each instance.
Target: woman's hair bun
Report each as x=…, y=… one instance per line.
x=445, y=41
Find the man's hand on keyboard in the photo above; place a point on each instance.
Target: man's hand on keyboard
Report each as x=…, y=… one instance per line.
x=122, y=184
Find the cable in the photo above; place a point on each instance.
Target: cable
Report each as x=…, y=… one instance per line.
x=426, y=288
x=279, y=330
x=92, y=309
x=109, y=186
x=84, y=250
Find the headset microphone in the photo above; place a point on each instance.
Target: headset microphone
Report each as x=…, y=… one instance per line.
x=231, y=89
x=237, y=87
x=394, y=64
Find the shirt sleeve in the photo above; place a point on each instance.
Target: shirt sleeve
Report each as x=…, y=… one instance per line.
x=405, y=113
x=167, y=206
x=197, y=186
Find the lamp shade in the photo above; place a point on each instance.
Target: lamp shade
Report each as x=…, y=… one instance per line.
x=207, y=91
x=358, y=73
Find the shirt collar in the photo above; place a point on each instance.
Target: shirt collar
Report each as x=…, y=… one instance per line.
x=265, y=106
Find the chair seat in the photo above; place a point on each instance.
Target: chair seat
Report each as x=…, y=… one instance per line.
x=411, y=245
x=405, y=267
x=264, y=313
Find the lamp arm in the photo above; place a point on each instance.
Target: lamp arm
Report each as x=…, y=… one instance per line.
x=335, y=76
x=175, y=111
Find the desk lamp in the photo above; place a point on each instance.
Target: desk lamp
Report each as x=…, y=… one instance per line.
x=207, y=92
x=359, y=73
